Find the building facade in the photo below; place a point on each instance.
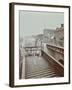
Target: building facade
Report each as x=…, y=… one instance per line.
x=54, y=36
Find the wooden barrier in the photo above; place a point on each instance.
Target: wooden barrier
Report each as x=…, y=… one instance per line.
x=56, y=66
x=56, y=48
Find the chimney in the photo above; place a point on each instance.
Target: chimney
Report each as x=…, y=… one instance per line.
x=62, y=25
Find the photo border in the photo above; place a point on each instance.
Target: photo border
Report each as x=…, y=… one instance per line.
x=11, y=43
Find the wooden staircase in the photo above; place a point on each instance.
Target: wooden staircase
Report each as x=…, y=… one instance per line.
x=38, y=67
x=45, y=73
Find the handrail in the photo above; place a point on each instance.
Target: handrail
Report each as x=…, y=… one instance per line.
x=57, y=66
x=55, y=46
x=53, y=59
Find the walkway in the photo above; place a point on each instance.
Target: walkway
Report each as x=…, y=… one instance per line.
x=38, y=67
x=42, y=66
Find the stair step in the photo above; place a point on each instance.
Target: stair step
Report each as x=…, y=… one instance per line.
x=38, y=68
x=40, y=71
x=41, y=76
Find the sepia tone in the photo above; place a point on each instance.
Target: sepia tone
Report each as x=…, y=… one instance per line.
x=42, y=55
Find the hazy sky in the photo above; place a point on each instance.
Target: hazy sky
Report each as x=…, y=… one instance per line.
x=32, y=23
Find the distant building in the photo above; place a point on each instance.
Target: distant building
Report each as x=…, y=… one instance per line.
x=60, y=35
x=49, y=35
x=54, y=36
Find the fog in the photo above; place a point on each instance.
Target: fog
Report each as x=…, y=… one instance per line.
x=33, y=23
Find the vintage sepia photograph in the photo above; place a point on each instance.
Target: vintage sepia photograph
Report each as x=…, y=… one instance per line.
x=39, y=44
